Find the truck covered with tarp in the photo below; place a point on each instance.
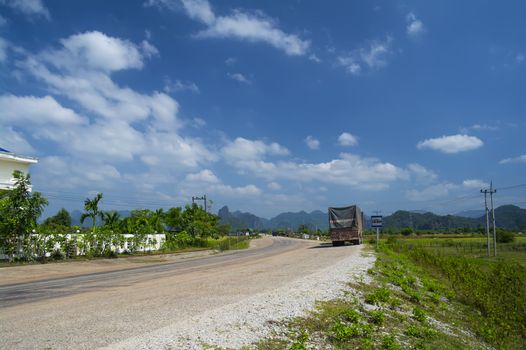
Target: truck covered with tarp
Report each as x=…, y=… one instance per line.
x=346, y=225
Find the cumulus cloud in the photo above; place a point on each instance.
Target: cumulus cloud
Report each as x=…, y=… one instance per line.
x=371, y=57
x=415, y=27
x=30, y=8
x=437, y=191
x=274, y=186
x=421, y=174
x=239, y=78
x=179, y=86
x=15, y=141
x=312, y=142
x=451, y=144
x=347, y=139
x=80, y=72
x=119, y=126
x=474, y=183
x=18, y=110
x=243, y=149
x=206, y=180
x=3, y=50
x=98, y=51
x=519, y=159
x=247, y=26
x=367, y=173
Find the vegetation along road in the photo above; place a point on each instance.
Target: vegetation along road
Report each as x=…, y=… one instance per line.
x=177, y=303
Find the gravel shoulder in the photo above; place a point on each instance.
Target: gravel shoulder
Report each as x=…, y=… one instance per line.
x=226, y=304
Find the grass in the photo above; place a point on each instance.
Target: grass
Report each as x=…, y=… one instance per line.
x=418, y=297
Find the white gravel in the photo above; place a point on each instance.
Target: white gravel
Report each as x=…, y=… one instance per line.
x=246, y=321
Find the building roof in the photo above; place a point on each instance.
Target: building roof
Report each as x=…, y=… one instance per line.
x=10, y=156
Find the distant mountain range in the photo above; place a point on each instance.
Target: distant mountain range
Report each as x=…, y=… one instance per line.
x=507, y=216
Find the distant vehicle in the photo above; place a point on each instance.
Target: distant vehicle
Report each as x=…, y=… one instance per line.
x=346, y=225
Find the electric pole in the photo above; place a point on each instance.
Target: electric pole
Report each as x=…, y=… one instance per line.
x=200, y=199
x=490, y=191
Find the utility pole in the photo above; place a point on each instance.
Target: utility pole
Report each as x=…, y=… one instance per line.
x=490, y=191
x=200, y=199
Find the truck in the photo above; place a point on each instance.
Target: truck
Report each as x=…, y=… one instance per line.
x=346, y=225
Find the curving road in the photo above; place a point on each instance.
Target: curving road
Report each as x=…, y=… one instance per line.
x=98, y=309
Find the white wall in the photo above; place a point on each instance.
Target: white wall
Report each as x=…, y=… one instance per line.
x=6, y=172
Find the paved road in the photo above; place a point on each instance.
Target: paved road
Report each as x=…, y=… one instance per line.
x=99, y=309
x=20, y=293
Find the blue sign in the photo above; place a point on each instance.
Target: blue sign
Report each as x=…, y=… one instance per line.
x=376, y=221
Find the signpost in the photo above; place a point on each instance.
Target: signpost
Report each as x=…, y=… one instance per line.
x=376, y=222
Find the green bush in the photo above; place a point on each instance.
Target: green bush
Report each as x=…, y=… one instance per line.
x=505, y=236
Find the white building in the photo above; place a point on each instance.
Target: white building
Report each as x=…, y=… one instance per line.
x=10, y=162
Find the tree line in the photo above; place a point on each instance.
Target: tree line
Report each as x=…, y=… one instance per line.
x=22, y=238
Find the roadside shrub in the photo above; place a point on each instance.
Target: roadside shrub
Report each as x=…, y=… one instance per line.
x=407, y=231
x=379, y=295
x=505, y=236
x=419, y=314
x=57, y=255
x=377, y=316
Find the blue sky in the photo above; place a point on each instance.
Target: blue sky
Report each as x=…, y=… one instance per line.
x=267, y=106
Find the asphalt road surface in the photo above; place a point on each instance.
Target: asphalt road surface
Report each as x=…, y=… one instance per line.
x=90, y=310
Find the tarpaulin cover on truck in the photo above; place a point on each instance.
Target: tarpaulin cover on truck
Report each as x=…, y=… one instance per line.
x=347, y=217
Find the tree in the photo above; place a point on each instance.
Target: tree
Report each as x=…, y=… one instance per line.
x=19, y=211
x=91, y=206
x=61, y=218
x=111, y=219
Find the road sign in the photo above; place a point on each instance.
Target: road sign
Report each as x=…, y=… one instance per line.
x=376, y=221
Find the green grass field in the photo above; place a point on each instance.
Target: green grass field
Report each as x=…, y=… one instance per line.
x=423, y=293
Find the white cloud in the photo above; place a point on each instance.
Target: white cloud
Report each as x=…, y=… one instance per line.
x=347, y=170
x=120, y=131
x=274, y=186
x=179, y=86
x=3, y=50
x=432, y=192
x=231, y=61
x=38, y=110
x=474, y=183
x=519, y=58
x=199, y=10
x=422, y=174
x=415, y=27
x=207, y=181
x=372, y=57
x=479, y=127
x=451, y=144
x=80, y=72
x=519, y=159
x=244, y=149
x=239, y=78
x=98, y=51
x=32, y=8
x=443, y=190
x=347, y=139
x=14, y=141
x=251, y=27
x=314, y=58
x=312, y=142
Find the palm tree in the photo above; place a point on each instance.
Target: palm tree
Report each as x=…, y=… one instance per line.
x=91, y=206
x=111, y=219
